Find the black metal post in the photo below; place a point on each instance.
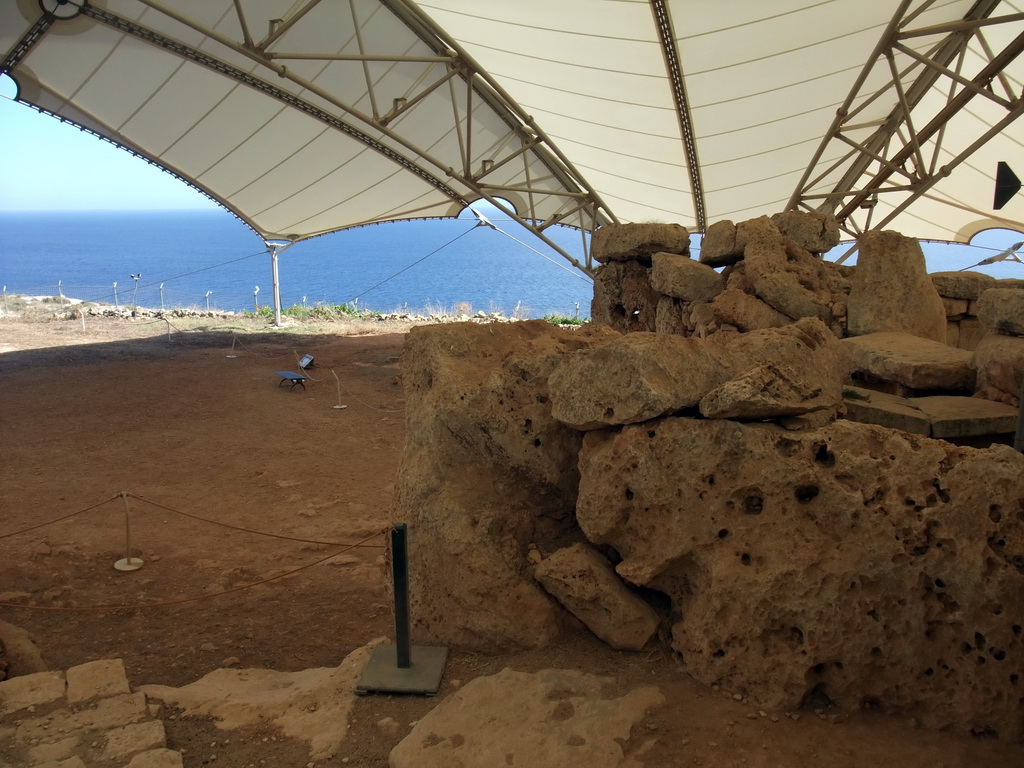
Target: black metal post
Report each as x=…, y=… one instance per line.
x=400, y=573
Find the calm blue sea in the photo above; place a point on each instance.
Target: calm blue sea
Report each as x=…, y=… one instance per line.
x=415, y=265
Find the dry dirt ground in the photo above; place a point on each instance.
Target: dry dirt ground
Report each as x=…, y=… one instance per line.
x=215, y=456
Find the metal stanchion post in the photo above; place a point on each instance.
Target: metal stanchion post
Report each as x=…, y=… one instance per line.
x=402, y=667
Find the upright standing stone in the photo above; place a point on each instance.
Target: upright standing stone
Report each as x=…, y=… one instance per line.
x=891, y=289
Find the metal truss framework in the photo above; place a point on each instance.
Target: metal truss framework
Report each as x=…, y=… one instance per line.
x=901, y=158
x=449, y=68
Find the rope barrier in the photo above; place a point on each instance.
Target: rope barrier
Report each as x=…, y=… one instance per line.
x=237, y=527
x=181, y=601
x=60, y=519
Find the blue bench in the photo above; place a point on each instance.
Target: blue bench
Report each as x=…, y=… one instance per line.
x=294, y=378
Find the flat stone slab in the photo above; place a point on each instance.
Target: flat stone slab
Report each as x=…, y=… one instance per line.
x=548, y=719
x=31, y=690
x=939, y=416
x=909, y=360
x=93, y=679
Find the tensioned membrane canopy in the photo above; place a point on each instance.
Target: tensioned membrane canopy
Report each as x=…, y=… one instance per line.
x=309, y=116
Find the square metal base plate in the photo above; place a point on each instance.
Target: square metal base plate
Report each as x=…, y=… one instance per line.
x=383, y=675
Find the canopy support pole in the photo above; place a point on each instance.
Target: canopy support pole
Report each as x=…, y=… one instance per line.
x=274, y=249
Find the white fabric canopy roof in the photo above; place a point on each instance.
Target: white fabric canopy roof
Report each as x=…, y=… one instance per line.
x=308, y=116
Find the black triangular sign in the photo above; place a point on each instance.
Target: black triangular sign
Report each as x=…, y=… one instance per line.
x=1007, y=185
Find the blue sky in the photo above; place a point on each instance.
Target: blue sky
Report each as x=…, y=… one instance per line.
x=45, y=164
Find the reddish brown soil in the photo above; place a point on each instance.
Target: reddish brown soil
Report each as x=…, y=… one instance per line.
x=215, y=455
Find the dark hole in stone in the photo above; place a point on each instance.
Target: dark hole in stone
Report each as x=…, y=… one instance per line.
x=940, y=584
x=753, y=504
x=652, y=433
x=619, y=310
x=876, y=651
x=979, y=640
x=629, y=495
x=998, y=655
x=967, y=648
x=797, y=634
x=995, y=513
x=723, y=533
x=986, y=732
x=929, y=672
x=817, y=698
x=1014, y=679
x=870, y=702
x=1016, y=629
x=981, y=659
x=818, y=668
x=710, y=479
x=609, y=413
x=719, y=653
x=542, y=399
x=873, y=614
x=745, y=558
x=805, y=493
x=825, y=456
x=837, y=664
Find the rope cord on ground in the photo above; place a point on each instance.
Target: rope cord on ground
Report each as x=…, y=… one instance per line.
x=405, y=269
x=60, y=519
x=237, y=527
x=183, y=600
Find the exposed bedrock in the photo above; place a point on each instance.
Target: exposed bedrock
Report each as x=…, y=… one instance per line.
x=485, y=472
x=849, y=564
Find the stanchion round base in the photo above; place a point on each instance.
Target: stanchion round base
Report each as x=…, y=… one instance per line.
x=232, y=357
x=128, y=564
x=339, y=407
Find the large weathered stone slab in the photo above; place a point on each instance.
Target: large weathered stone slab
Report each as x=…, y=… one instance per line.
x=548, y=719
x=583, y=580
x=891, y=290
x=684, y=278
x=941, y=416
x=105, y=677
x=1002, y=310
x=642, y=376
x=999, y=361
x=962, y=285
x=312, y=705
x=719, y=246
x=768, y=391
x=786, y=276
x=637, y=242
x=851, y=563
x=910, y=360
x=886, y=410
x=623, y=297
x=746, y=312
x=486, y=471
x=814, y=232
x=28, y=690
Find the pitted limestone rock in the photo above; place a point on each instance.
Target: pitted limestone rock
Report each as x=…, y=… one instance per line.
x=683, y=278
x=583, y=580
x=852, y=563
x=486, y=470
x=1002, y=310
x=637, y=242
x=962, y=285
x=642, y=376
